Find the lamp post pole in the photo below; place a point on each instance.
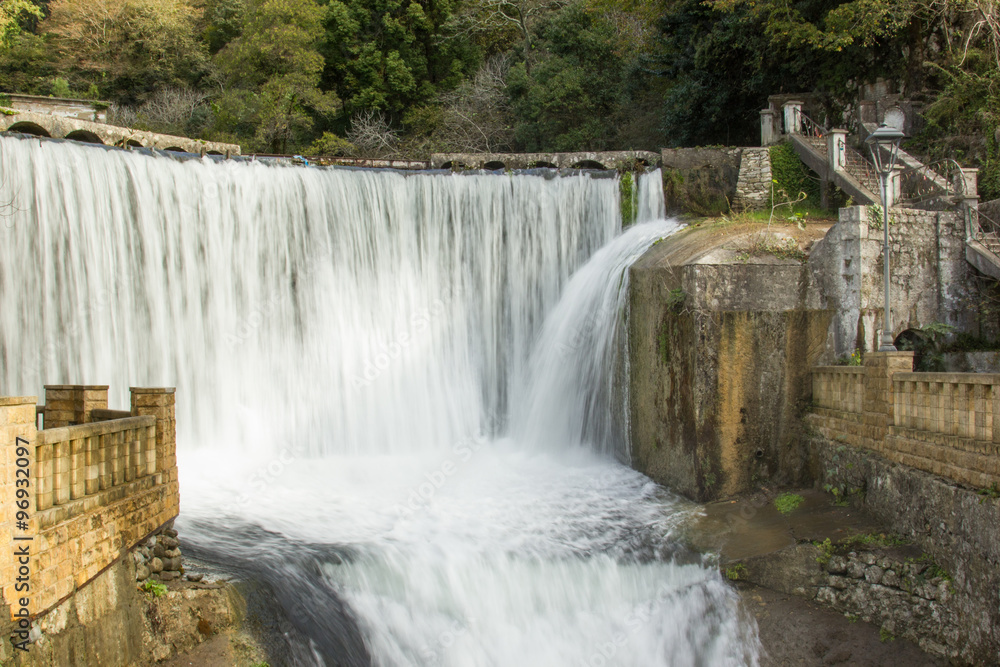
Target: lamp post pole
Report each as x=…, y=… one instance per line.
x=887, y=343
x=884, y=145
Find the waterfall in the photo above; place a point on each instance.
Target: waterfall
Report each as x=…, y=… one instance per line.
x=396, y=396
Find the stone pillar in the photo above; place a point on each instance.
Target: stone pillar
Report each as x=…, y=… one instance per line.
x=793, y=116
x=68, y=404
x=895, y=188
x=159, y=402
x=768, y=135
x=966, y=182
x=877, y=400
x=17, y=420
x=867, y=111
x=837, y=149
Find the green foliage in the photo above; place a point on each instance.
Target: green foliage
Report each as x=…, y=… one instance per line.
x=826, y=551
x=272, y=71
x=331, y=144
x=569, y=98
x=626, y=191
x=885, y=636
x=855, y=358
x=786, y=503
x=155, y=588
x=791, y=178
x=736, y=571
x=928, y=344
x=60, y=87
x=992, y=492
x=13, y=13
x=676, y=299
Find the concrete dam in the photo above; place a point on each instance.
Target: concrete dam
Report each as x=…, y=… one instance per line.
x=401, y=397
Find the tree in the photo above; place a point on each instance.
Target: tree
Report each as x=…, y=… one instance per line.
x=392, y=54
x=271, y=73
x=570, y=98
x=12, y=13
x=129, y=48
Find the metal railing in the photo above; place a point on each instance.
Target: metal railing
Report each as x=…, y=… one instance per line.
x=864, y=171
x=940, y=183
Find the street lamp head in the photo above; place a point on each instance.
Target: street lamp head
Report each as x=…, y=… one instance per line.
x=884, y=146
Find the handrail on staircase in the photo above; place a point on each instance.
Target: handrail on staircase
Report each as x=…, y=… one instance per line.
x=941, y=180
x=811, y=128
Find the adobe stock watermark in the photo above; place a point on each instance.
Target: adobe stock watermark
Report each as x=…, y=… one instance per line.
x=265, y=308
x=635, y=620
x=461, y=453
x=265, y=475
x=420, y=323
x=433, y=653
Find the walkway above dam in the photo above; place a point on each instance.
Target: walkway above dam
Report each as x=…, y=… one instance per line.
x=581, y=160
x=64, y=127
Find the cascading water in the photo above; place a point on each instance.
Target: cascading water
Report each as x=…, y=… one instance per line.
x=396, y=395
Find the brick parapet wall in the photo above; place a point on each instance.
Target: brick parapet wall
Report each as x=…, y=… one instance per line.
x=66, y=405
x=940, y=423
x=96, y=490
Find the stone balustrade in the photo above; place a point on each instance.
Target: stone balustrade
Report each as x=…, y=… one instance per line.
x=839, y=387
x=77, y=461
x=94, y=484
x=941, y=423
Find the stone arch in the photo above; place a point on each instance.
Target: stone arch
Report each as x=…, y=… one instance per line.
x=84, y=136
x=213, y=153
x=175, y=149
x=494, y=165
x=24, y=127
x=587, y=164
x=542, y=164
x=452, y=164
x=131, y=143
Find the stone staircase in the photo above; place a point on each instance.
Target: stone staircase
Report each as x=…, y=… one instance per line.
x=940, y=186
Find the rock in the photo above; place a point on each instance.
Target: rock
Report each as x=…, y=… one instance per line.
x=159, y=550
x=141, y=573
x=890, y=578
x=867, y=557
x=168, y=576
x=837, y=565
x=137, y=557
x=170, y=532
x=855, y=569
x=169, y=542
x=840, y=583
x=173, y=553
x=172, y=563
x=873, y=574
x=195, y=577
x=156, y=565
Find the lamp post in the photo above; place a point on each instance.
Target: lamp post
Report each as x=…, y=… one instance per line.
x=884, y=146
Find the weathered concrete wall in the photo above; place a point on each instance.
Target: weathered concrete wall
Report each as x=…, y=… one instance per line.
x=701, y=181
x=720, y=355
x=957, y=527
x=930, y=275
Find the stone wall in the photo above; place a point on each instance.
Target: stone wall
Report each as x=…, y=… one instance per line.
x=91, y=493
x=753, y=190
x=930, y=277
x=91, y=110
x=956, y=528
x=942, y=423
x=112, y=623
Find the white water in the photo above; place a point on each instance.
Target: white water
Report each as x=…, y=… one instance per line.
x=397, y=368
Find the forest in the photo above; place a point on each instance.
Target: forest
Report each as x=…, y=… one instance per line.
x=380, y=78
